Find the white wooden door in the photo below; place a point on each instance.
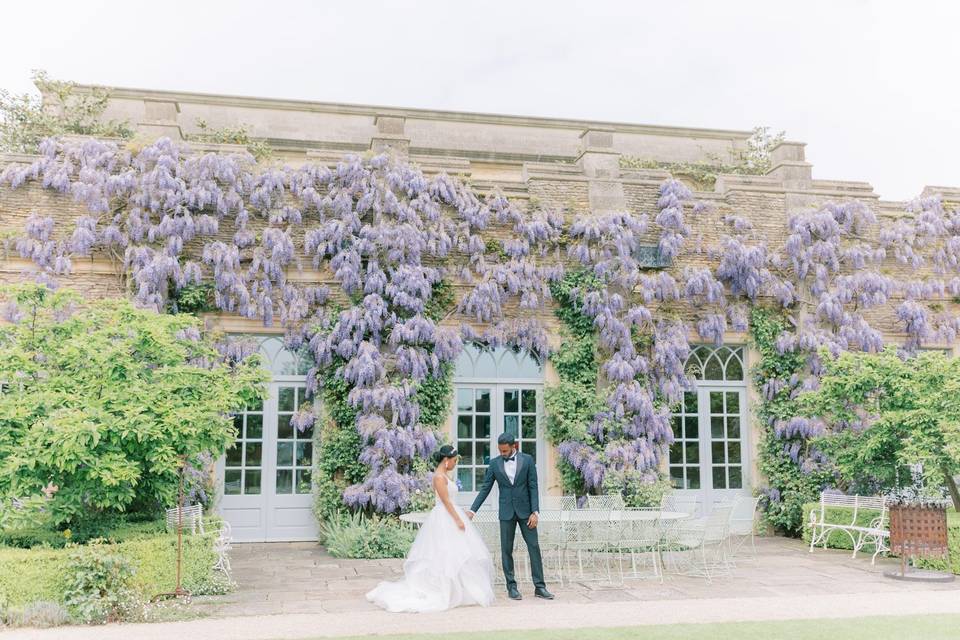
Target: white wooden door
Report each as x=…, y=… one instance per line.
x=266, y=483
x=484, y=411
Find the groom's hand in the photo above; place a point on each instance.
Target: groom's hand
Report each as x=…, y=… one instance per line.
x=532, y=521
x=470, y=514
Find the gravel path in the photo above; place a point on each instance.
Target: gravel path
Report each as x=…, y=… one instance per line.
x=529, y=614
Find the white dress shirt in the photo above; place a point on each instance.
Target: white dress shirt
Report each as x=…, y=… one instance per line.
x=510, y=467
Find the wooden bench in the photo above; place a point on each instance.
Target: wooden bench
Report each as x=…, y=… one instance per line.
x=877, y=532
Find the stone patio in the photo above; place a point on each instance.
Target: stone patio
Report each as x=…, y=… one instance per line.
x=303, y=578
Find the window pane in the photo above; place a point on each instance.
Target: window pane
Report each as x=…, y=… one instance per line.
x=511, y=400
x=252, y=454
x=464, y=426
x=304, y=454
x=529, y=448
x=478, y=476
x=252, y=483
x=483, y=401
x=528, y=427
x=713, y=370
x=716, y=402
x=719, y=478
x=736, y=478
x=465, y=400
x=692, y=426
x=303, y=481
x=483, y=426
x=285, y=481
x=675, y=424
x=286, y=399
x=528, y=400
x=466, y=452
x=255, y=426
x=257, y=405
x=733, y=402
x=510, y=425
x=690, y=402
x=693, y=477
x=716, y=426
x=285, y=454
x=733, y=452
x=238, y=424
x=483, y=453
x=301, y=395
x=235, y=455
x=676, y=452
x=231, y=482
x=693, y=453
x=306, y=434
x=734, y=369
x=284, y=428
x=465, y=477
x=733, y=427
x=716, y=450
x=676, y=477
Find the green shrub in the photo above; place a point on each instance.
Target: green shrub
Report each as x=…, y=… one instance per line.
x=359, y=536
x=637, y=490
x=100, y=585
x=31, y=575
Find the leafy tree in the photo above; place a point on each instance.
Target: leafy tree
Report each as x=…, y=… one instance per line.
x=27, y=119
x=103, y=401
x=880, y=411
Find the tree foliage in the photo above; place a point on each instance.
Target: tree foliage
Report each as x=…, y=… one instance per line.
x=877, y=413
x=104, y=400
x=27, y=119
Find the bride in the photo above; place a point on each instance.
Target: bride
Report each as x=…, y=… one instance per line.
x=448, y=564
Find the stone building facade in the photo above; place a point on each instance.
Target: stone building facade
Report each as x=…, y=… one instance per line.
x=572, y=165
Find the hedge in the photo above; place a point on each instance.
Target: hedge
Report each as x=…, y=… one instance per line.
x=29, y=575
x=840, y=540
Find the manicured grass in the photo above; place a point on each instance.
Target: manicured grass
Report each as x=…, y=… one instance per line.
x=941, y=627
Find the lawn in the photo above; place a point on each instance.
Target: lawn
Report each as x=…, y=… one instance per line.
x=931, y=627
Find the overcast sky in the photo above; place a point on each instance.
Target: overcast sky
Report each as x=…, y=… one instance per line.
x=873, y=88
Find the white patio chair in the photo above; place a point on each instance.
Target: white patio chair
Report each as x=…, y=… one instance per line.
x=681, y=503
x=702, y=545
x=192, y=519
x=587, y=542
x=743, y=518
x=558, y=503
x=610, y=502
x=222, y=544
x=553, y=544
x=488, y=524
x=640, y=539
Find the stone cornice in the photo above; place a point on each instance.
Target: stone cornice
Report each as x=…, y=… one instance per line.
x=413, y=113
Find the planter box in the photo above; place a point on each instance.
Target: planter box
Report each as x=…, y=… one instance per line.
x=918, y=533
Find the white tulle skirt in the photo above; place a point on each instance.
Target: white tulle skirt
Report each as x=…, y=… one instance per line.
x=445, y=568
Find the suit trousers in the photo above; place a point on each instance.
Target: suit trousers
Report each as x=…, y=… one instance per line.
x=508, y=532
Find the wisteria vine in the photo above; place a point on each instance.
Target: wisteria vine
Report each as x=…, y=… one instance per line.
x=381, y=236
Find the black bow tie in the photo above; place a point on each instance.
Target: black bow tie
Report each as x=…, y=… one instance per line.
x=510, y=459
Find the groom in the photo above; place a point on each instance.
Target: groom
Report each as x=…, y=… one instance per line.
x=516, y=477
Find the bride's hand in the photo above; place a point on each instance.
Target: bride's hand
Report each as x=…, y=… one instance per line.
x=460, y=525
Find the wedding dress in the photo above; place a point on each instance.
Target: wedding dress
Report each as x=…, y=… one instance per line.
x=446, y=567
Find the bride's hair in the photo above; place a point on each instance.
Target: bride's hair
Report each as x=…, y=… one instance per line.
x=444, y=452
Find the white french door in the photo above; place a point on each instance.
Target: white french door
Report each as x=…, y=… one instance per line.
x=709, y=457
x=266, y=480
x=484, y=411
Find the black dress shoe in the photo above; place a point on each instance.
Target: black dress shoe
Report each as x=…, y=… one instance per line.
x=543, y=593
x=514, y=594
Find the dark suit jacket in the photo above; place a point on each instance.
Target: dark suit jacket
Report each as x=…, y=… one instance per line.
x=517, y=499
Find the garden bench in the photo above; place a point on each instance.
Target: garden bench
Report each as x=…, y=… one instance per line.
x=876, y=532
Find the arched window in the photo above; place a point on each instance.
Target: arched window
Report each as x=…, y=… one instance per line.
x=497, y=390
x=280, y=361
x=709, y=454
